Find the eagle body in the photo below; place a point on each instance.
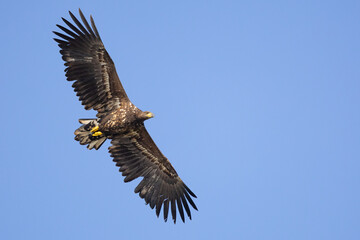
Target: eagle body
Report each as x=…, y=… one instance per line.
x=122, y=119
x=98, y=87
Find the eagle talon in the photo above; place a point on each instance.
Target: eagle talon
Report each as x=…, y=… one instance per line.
x=97, y=134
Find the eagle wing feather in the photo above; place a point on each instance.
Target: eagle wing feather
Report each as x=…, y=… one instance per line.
x=138, y=156
x=90, y=66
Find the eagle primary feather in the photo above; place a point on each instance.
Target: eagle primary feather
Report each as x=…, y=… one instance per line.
x=98, y=87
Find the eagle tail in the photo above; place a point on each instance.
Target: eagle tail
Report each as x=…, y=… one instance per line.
x=85, y=136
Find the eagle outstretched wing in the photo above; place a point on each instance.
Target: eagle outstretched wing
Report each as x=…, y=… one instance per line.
x=138, y=156
x=88, y=63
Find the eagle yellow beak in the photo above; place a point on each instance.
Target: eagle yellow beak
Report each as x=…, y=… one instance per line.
x=149, y=115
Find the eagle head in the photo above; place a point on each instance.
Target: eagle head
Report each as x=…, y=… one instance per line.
x=147, y=115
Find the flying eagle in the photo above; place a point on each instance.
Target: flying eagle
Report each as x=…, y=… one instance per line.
x=98, y=86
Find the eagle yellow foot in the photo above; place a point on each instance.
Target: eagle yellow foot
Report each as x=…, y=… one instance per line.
x=94, y=129
x=98, y=133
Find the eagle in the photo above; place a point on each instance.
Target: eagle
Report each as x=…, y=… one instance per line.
x=98, y=87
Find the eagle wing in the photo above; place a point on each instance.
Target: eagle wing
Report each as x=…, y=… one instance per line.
x=90, y=66
x=138, y=156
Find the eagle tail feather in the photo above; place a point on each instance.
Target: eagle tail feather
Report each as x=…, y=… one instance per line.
x=85, y=136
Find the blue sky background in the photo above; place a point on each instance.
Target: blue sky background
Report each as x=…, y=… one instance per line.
x=256, y=105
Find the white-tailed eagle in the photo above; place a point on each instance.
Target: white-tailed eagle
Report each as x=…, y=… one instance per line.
x=98, y=86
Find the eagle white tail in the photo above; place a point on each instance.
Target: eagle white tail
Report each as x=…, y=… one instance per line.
x=85, y=136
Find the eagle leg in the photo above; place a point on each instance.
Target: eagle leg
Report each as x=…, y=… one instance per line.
x=94, y=129
x=98, y=133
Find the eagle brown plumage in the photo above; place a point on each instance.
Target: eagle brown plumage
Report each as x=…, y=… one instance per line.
x=98, y=86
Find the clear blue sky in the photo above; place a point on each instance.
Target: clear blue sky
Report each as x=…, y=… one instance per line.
x=256, y=105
